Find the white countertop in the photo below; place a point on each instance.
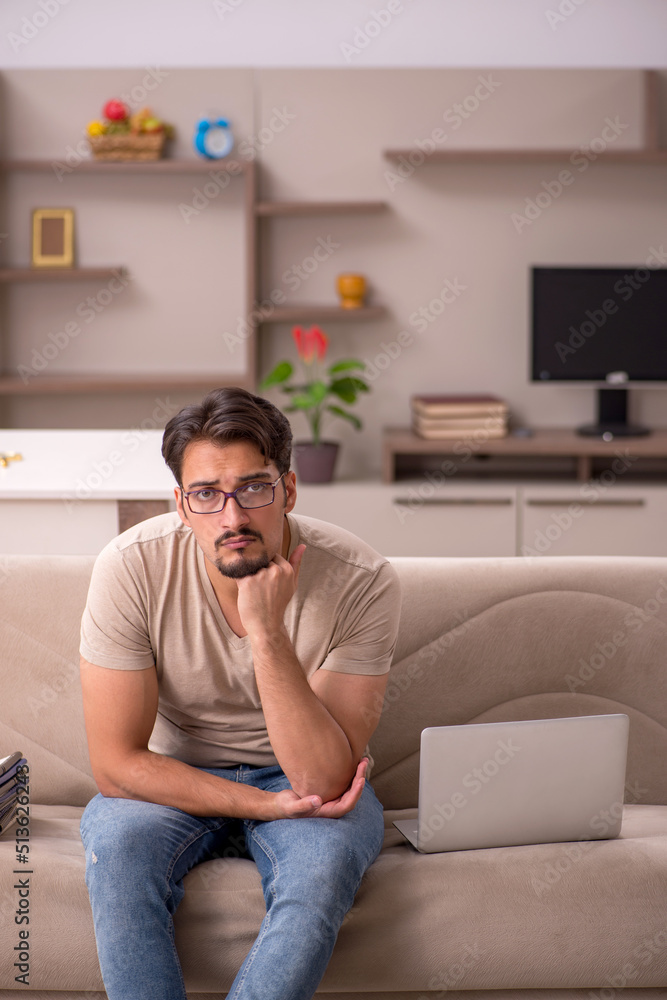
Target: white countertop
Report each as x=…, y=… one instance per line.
x=85, y=465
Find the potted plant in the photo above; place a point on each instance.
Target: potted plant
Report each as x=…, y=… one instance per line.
x=317, y=394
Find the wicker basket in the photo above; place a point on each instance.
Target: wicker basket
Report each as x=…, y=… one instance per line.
x=148, y=146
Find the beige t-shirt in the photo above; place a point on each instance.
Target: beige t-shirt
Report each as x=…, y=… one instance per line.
x=151, y=603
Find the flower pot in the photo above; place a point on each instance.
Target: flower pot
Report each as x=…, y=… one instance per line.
x=315, y=463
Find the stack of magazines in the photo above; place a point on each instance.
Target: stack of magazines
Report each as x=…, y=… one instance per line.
x=442, y=417
x=11, y=786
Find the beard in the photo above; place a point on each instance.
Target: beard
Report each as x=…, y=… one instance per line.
x=243, y=566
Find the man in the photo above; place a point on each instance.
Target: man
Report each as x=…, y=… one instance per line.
x=234, y=658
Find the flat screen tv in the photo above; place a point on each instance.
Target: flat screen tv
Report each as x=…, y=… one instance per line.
x=603, y=325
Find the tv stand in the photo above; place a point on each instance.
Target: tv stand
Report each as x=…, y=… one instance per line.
x=548, y=454
x=612, y=419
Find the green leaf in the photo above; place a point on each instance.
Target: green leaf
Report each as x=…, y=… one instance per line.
x=354, y=420
x=312, y=397
x=348, y=388
x=279, y=374
x=344, y=366
x=359, y=384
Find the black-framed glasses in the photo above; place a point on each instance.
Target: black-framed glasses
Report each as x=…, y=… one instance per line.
x=248, y=497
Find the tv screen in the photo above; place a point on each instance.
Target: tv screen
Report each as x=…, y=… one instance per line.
x=599, y=324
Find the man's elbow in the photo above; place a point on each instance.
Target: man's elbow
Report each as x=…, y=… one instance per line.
x=116, y=782
x=327, y=786
x=109, y=788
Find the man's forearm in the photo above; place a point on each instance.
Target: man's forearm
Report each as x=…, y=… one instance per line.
x=152, y=777
x=310, y=746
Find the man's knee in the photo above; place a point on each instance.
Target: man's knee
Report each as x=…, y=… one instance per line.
x=119, y=834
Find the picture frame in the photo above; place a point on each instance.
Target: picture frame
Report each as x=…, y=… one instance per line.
x=53, y=237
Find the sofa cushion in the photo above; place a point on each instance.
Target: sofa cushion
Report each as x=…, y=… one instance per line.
x=42, y=714
x=592, y=911
x=484, y=640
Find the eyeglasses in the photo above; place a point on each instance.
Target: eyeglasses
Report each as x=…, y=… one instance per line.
x=248, y=497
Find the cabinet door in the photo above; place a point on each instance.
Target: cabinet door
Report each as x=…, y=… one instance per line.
x=56, y=527
x=416, y=519
x=594, y=519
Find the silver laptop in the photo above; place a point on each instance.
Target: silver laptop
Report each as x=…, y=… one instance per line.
x=508, y=783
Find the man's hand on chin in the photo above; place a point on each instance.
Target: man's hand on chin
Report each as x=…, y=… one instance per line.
x=291, y=806
x=264, y=596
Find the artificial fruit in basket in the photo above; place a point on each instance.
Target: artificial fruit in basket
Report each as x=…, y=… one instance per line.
x=119, y=121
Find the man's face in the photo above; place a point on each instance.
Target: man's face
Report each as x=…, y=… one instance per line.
x=238, y=542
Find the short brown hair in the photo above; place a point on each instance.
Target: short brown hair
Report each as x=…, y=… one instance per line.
x=229, y=414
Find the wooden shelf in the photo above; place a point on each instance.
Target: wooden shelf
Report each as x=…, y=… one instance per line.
x=84, y=383
x=9, y=274
x=324, y=314
x=500, y=156
x=548, y=442
x=166, y=166
x=649, y=152
x=12, y=385
x=286, y=208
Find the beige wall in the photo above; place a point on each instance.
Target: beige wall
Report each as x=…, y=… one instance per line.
x=445, y=223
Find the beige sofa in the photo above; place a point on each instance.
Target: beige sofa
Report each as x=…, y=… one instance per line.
x=480, y=639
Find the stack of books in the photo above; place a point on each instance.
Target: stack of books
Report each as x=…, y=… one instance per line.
x=12, y=784
x=442, y=417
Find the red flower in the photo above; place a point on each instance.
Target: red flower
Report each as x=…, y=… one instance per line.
x=310, y=343
x=297, y=334
x=321, y=342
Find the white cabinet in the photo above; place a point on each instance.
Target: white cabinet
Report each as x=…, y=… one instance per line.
x=593, y=518
x=55, y=527
x=62, y=495
x=418, y=519
x=496, y=519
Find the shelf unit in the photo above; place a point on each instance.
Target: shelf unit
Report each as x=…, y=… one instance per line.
x=510, y=156
x=37, y=274
x=275, y=208
x=14, y=385
x=649, y=153
x=317, y=312
x=548, y=443
x=398, y=442
x=255, y=211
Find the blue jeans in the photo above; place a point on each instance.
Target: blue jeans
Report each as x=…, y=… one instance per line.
x=137, y=854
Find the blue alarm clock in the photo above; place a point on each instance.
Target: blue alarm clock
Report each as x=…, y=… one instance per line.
x=213, y=138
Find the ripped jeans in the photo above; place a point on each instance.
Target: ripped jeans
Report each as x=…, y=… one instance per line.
x=137, y=854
